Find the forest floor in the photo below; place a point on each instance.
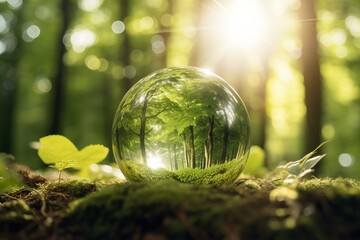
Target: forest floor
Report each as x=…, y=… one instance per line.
x=248, y=209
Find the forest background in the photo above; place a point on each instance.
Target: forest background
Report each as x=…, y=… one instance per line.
x=66, y=64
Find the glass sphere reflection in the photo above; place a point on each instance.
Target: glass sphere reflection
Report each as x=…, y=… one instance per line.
x=183, y=123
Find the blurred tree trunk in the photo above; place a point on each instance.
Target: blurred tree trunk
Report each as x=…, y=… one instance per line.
x=311, y=73
x=9, y=62
x=124, y=11
x=195, y=53
x=59, y=78
x=264, y=76
x=165, y=33
x=108, y=114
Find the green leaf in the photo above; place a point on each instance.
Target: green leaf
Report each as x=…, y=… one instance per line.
x=61, y=153
x=298, y=169
x=294, y=168
x=55, y=149
x=310, y=163
x=308, y=156
x=90, y=154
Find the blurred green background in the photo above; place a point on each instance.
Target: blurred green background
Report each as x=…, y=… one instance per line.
x=65, y=65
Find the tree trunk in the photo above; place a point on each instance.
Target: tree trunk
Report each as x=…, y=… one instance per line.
x=125, y=46
x=225, y=138
x=143, y=128
x=209, y=142
x=312, y=78
x=195, y=53
x=59, y=79
x=170, y=158
x=192, y=147
x=175, y=159
x=9, y=84
x=165, y=34
x=186, y=155
x=264, y=75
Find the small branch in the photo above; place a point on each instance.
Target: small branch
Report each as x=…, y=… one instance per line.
x=60, y=171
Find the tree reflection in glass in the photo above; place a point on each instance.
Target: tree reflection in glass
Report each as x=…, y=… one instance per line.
x=181, y=118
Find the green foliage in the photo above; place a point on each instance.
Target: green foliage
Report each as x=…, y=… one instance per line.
x=9, y=180
x=61, y=153
x=255, y=165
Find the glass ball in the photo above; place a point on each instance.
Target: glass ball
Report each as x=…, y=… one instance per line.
x=181, y=123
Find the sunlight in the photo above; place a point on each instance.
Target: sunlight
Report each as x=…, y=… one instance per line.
x=154, y=161
x=234, y=28
x=245, y=24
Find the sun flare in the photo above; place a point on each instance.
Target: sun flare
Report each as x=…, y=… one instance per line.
x=155, y=161
x=235, y=28
x=245, y=24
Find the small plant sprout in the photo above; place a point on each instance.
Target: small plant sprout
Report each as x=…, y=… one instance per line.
x=61, y=153
x=296, y=170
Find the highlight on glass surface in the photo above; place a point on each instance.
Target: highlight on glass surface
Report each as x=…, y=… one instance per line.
x=183, y=123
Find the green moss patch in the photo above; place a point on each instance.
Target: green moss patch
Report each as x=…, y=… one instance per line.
x=219, y=174
x=255, y=209
x=247, y=209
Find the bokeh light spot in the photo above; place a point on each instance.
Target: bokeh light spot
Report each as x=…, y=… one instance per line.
x=15, y=3
x=90, y=5
x=346, y=160
x=118, y=27
x=43, y=84
x=81, y=39
x=2, y=47
x=129, y=72
x=157, y=44
x=92, y=62
x=3, y=24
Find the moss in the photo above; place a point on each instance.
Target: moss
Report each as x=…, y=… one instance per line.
x=251, y=185
x=136, y=172
x=248, y=209
x=345, y=185
x=72, y=187
x=219, y=174
x=322, y=209
x=148, y=208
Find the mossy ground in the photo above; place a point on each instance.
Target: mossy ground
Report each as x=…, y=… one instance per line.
x=248, y=209
x=220, y=174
